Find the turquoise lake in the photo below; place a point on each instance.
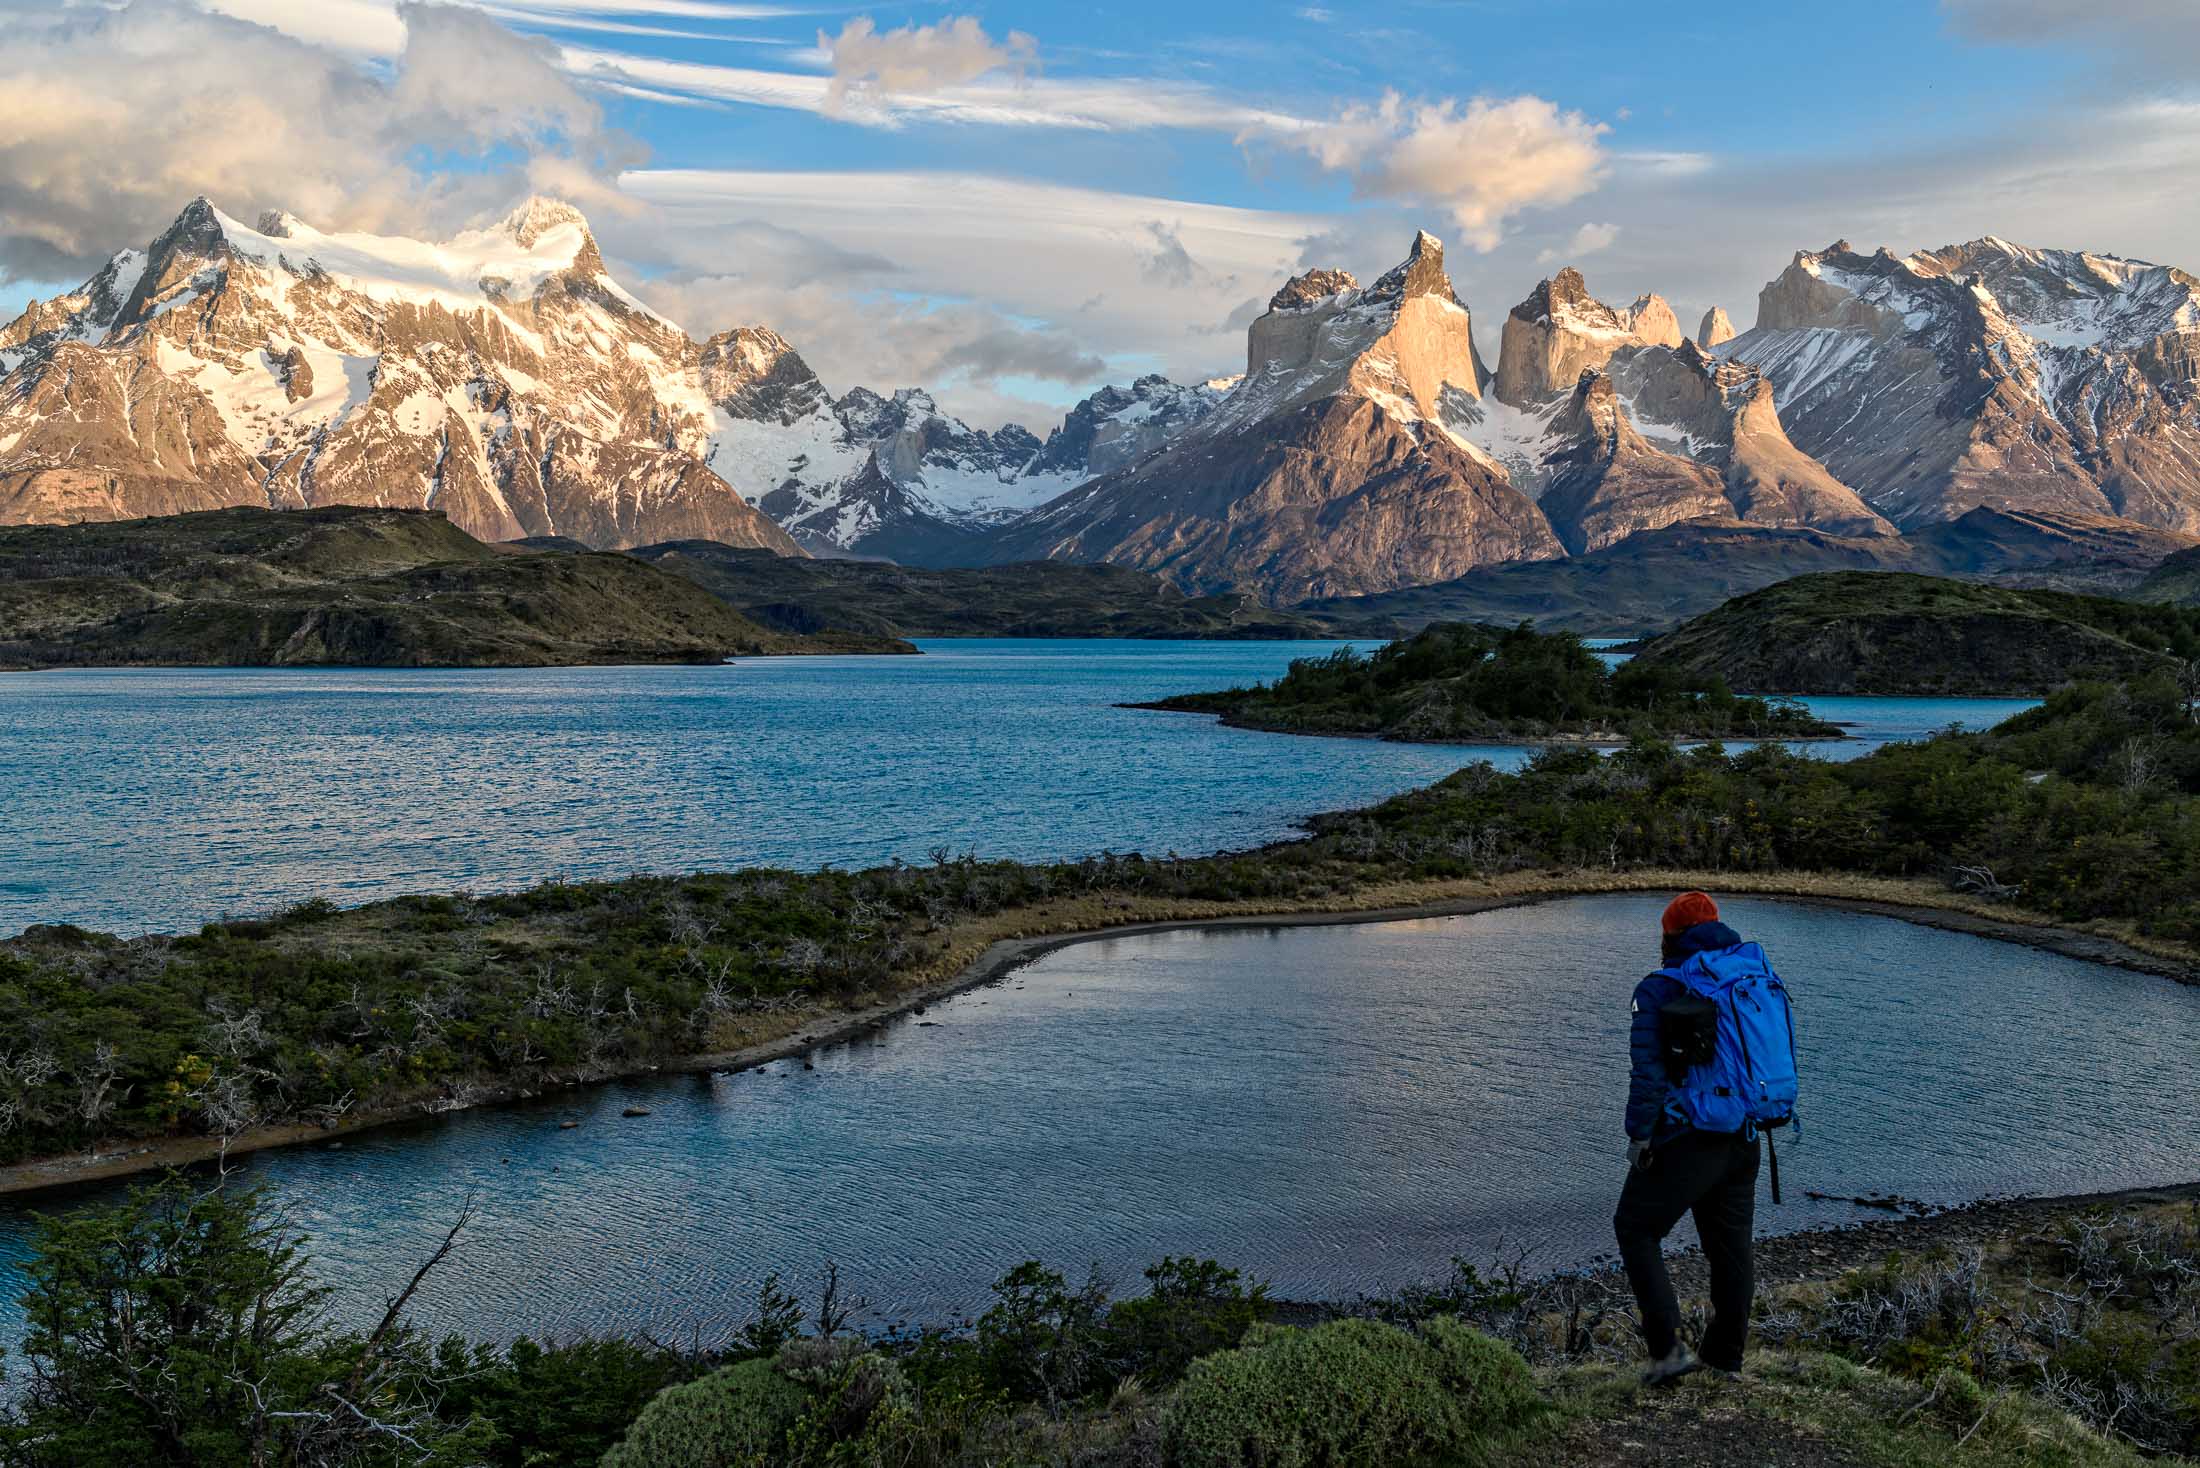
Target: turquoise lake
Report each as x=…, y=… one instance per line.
x=156, y=800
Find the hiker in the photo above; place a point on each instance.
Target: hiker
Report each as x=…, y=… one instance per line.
x=1713, y=1068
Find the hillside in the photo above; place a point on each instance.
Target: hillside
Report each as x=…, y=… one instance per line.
x=1656, y=579
x=1648, y=582
x=1461, y=682
x=1033, y=599
x=1854, y=632
x=2175, y=582
x=349, y=586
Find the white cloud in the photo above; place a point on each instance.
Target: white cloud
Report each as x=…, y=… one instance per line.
x=110, y=120
x=990, y=279
x=2115, y=180
x=1587, y=240
x=1482, y=162
x=373, y=27
x=919, y=58
x=1104, y=104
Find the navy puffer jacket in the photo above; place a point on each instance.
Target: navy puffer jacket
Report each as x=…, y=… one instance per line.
x=1648, y=1119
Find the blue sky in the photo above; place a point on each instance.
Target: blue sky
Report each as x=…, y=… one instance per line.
x=1012, y=203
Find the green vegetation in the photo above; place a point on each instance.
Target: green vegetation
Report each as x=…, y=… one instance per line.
x=1863, y=632
x=1385, y=1395
x=180, y=1328
x=2084, y=810
x=354, y=586
x=2099, y=1318
x=1035, y=599
x=1461, y=683
x=2175, y=582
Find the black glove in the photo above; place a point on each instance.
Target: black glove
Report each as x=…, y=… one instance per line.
x=1638, y=1154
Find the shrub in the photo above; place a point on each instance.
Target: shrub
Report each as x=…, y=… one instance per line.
x=736, y=1417
x=1042, y=1341
x=1193, y=1308
x=1489, y=1375
x=1353, y=1391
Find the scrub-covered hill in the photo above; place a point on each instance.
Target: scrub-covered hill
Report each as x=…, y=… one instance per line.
x=349, y=586
x=1862, y=632
x=1031, y=599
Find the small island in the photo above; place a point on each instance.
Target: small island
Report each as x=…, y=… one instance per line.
x=1467, y=682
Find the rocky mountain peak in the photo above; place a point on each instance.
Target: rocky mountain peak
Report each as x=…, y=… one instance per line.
x=1420, y=274
x=1716, y=329
x=1560, y=330
x=277, y=224
x=753, y=372
x=1652, y=320
x=1593, y=412
x=196, y=234
x=1314, y=285
x=1557, y=295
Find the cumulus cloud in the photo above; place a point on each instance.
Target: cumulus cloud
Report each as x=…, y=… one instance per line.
x=869, y=62
x=1587, y=240
x=1482, y=161
x=111, y=120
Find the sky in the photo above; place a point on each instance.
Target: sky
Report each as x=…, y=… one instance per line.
x=1011, y=204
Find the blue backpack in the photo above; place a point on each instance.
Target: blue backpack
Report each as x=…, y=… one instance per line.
x=1742, y=1078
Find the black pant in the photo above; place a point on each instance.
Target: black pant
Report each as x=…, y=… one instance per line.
x=1715, y=1177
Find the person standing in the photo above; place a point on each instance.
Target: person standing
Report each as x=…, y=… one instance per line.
x=1699, y=1096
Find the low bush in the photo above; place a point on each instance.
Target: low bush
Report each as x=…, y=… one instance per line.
x=736, y=1417
x=1349, y=1392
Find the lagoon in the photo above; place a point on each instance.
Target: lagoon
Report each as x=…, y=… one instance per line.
x=1339, y=1109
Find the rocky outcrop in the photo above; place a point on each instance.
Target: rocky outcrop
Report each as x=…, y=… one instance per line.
x=1990, y=374
x=752, y=372
x=1561, y=330
x=1405, y=341
x=1606, y=482
x=1651, y=431
x=1716, y=330
x=1721, y=414
x=501, y=377
x=1327, y=470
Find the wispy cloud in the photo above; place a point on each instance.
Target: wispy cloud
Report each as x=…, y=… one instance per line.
x=374, y=27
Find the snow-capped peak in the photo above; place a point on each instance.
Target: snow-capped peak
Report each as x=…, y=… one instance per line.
x=467, y=271
x=538, y=217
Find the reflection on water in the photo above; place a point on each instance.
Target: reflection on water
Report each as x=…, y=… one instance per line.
x=159, y=799
x=1339, y=1109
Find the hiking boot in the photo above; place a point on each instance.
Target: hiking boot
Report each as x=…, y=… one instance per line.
x=1671, y=1367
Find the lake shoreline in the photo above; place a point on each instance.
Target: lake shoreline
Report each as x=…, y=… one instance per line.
x=986, y=950
x=1600, y=739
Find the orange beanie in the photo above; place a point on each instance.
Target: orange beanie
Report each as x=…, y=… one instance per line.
x=1689, y=909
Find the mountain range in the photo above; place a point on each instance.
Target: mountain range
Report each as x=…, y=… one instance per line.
x=505, y=378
